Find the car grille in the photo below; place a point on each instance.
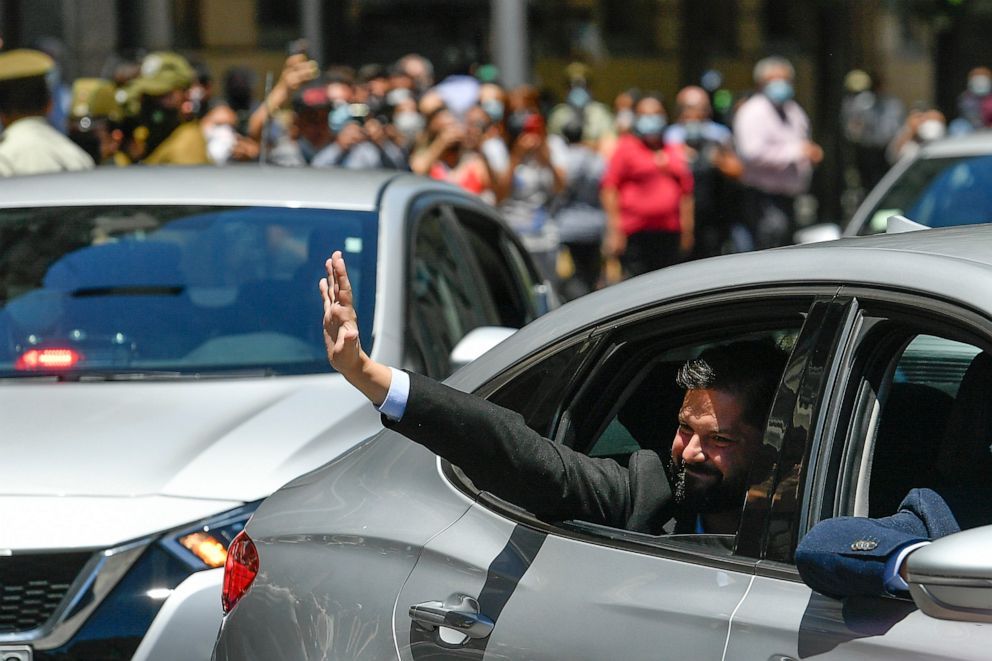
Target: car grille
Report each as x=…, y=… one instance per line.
x=33, y=586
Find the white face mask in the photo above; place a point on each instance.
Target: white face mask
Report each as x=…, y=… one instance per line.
x=221, y=139
x=932, y=129
x=625, y=119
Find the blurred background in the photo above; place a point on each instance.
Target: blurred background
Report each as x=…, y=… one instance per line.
x=921, y=49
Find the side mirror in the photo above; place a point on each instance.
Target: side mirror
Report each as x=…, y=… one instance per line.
x=817, y=233
x=951, y=579
x=477, y=342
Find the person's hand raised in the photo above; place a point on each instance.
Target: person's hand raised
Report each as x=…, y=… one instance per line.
x=344, y=351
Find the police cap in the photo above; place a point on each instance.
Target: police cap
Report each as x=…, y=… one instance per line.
x=94, y=97
x=24, y=63
x=163, y=72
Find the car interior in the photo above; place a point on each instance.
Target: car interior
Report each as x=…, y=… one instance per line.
x=935, y=429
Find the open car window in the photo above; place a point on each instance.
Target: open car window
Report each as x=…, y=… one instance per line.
x=622, y=398
x=929, y=428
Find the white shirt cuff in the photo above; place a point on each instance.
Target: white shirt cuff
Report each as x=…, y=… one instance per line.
x=893, y=581
x=394, y=406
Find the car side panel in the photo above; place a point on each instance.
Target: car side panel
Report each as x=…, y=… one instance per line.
x=783, y=619
x=334, y=547
x=567, y=599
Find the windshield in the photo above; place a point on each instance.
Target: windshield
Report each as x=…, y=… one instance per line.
x=938, y=192
x=173, y=289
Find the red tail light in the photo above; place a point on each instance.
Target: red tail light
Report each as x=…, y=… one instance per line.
x=47, y=359
x=239, y=570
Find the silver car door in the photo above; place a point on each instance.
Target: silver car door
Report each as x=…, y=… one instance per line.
x=531, y=594
x=889, y=406
x=500, y=584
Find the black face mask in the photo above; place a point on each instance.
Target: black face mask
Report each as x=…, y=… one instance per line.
x=89, y=142
x=161, y=122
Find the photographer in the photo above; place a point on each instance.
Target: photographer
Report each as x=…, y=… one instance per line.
x=351, y=146
x=445, y=155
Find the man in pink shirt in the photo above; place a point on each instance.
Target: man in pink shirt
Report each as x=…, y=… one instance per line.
x=773, y=141
x=647, y=195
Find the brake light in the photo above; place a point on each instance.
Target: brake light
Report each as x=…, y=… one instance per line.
x=47, y=359
x=239, y=570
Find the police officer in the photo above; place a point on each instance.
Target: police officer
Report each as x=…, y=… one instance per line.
x=28, y=144
x=95, y=120
x=162, y=135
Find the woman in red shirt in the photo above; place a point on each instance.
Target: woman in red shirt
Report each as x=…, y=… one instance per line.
x=647, y=195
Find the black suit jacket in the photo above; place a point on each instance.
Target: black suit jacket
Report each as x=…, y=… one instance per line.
x=503, y=456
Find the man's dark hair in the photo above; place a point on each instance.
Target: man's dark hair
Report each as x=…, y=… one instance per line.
x=24, y=96
x=748, y=368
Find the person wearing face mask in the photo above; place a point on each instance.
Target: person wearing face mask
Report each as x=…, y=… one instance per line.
x=715, y=167
x=772, y=134
x=974, y=103
x=647, y=193
x=924, y=124
x=163, y=136
x=597, y=120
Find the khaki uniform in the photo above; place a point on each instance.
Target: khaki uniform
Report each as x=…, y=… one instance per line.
x=184, y=146
x=31, y=146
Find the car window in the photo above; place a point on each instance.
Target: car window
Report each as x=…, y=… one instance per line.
x=929, y=429
x=938, y=192
x=445, y=301
x=505, y=273
x=177, y=289
x=625, y=399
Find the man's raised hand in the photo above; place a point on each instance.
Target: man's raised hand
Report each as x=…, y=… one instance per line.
x=344, y=351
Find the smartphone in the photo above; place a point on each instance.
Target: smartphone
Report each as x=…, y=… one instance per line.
x=298, y=47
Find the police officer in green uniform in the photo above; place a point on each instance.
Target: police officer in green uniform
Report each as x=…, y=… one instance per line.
x=95, y=120
x=28, y=144
x=162, y=135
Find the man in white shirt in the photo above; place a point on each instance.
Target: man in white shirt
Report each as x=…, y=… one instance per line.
x=28, y=144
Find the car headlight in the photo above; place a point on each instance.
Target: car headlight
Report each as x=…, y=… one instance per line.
x=204, y=545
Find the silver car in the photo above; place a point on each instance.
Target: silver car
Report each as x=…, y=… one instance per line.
x=946, y=182
x=162, y=370
x=389, y=552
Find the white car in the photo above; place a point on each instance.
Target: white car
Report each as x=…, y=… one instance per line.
x=162, y=370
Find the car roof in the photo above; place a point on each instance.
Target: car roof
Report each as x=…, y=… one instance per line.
x=972, y=144
x=953, y=264
x=230, y=185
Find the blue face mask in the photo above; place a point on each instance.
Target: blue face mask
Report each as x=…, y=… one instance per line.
x=578, y=97
x=649, y=126
x=493, y=108
x=779, y=91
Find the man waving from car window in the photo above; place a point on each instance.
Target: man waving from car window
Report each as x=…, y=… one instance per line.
x=719, y=434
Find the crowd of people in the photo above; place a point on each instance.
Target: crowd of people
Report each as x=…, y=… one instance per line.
x=636, y=185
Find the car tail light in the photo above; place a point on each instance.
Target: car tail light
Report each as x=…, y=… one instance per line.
x=239, y=570
x=47, y=359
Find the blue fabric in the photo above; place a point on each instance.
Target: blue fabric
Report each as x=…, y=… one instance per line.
x=848, y=555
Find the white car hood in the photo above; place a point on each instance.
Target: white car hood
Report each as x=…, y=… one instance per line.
x=224, y=440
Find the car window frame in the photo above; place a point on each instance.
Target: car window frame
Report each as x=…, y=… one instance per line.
x=887, y=321
x=419, y=209
x=597, y=339
x=510, y=251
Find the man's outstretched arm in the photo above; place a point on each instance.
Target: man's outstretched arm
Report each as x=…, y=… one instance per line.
x=492, y=445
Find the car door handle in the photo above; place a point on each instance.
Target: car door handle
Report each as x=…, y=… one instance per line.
x=459, y=612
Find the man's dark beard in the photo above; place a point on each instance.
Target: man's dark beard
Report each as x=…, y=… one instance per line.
x=719, y=496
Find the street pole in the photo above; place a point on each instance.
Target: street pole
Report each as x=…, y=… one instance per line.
x=510, y=41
